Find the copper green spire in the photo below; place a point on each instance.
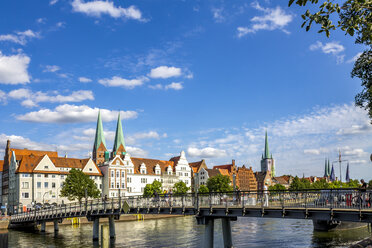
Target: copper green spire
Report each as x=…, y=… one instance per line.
x=329, y=168
x=267, y=152
x=119, y=137
x=100, y=138
x=326, y=169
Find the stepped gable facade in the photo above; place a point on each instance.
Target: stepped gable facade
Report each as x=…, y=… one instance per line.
x=246, y=178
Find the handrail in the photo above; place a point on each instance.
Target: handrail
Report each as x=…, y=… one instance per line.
x=324, y=198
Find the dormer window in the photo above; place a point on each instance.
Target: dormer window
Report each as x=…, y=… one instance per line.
x=157, y=170
x=143, y=169
x=169, y=170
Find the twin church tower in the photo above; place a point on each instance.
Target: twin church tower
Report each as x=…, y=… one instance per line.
x=100, y=152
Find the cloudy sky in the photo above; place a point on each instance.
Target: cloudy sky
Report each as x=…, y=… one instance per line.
x=207, y=77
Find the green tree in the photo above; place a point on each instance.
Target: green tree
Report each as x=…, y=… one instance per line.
x=180, y=188
x=77, y=184
x=150, y=189
x=203, y=189
x=370, y=184
x=352, y=184
x=354, y=18
x=306, y=183
x=320, y=184
x=219, y=183
x=277, y=186
x=296, y=184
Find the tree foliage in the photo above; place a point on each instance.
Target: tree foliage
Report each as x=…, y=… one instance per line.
x=354, y=17
x=370, y=184
x=277, y=186
x=77, y=184
x=301, y=184
x=150, y=189
x=203, y=189
x=180, y=188
x=219, y=183
x=296, y=184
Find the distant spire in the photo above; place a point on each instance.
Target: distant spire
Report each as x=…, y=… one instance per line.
x=325, y=169
x=333, y=177
x=267, y=152
x=100, y=138
x=347, y=173
x=119, y=137
x=329, y=168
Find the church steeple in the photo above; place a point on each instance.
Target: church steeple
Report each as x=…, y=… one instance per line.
x=119, y=144
x=267, y=152
x=347, y=173
x=99, y=147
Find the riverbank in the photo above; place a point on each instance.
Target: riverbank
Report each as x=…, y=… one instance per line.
x=366, y=243
x=4, y=222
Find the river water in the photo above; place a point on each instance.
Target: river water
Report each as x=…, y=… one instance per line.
x=184, y=232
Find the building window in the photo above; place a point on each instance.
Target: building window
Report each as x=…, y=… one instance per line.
x=38, y=185
x=46, y=167
x=129, y=189
x=62, y=176
x=45, y=184
x=112, y=173
x=117, y=173
x=90, y=169
x=24, y=185
x=129, y=179
x=186, y=174
x=117, y=185
x=53, y=185
x=123, y=185
x=53, y=176
x=142, y=190
x=112, y=185
x=25, y=175
x=25, y=195
x=183, y=168
x=117, y=162
x=180, y=174
x=38, y=175
x=122, y=173
x=46, y=175
x=187, y=182
x=143, y=180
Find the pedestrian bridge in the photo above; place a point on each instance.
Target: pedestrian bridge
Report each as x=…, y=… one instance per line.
x=336, y=205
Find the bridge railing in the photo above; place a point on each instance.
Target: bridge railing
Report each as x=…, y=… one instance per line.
x=330, y=198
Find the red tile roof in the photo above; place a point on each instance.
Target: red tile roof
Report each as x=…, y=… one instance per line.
x=225, y=166
x=25, y=152
x=150, y=165
x=1, y=165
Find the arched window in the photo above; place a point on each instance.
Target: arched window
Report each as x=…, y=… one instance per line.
x=143, y=169
x=157, y=170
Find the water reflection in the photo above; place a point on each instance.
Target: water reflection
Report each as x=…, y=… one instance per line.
x=184, y=232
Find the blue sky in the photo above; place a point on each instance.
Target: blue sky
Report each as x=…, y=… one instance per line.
x=207, y=77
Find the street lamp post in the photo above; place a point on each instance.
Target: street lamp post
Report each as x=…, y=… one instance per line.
x=48, y=192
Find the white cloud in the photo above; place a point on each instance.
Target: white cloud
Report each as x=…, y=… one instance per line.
x=356, y=152
x=41, y=20
x=353, y=59
x=52, y=2
x=207, y=152
x=31, y=99
x=20, y=37
x=74, y=114
x=156, y=87
x=312, y=151
x=174, y=86
x=84, y=80
x=22, y=142
x=217, y=14
x=273, y=19
x=13, y=69
x=165, y=72
x=333, y=47
x=122, y=82
x=51, y=68
x=98, y=8
x=136, y=151
x=3, y=97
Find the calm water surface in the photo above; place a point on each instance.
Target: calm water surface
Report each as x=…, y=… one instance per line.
x=184, y=232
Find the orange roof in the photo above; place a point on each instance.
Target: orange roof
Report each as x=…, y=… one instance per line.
x=224, y=172
x=1, y=165
x=28, y=164
x=225, y=166
x=25, y=152
x=194, y=169
x=150, y=165
x=196, y=164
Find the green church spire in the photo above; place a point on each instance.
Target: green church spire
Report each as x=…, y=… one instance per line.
x=100, y=138
x=267, y=152
x=329, y=168
x=119, y=137
x=326, y=169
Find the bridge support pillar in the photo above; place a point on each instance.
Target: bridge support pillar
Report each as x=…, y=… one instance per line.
x=43, y=224
x=209, y=231
x=112, y=227
x=96, y=229
x=56, y=228
x=227, y=236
